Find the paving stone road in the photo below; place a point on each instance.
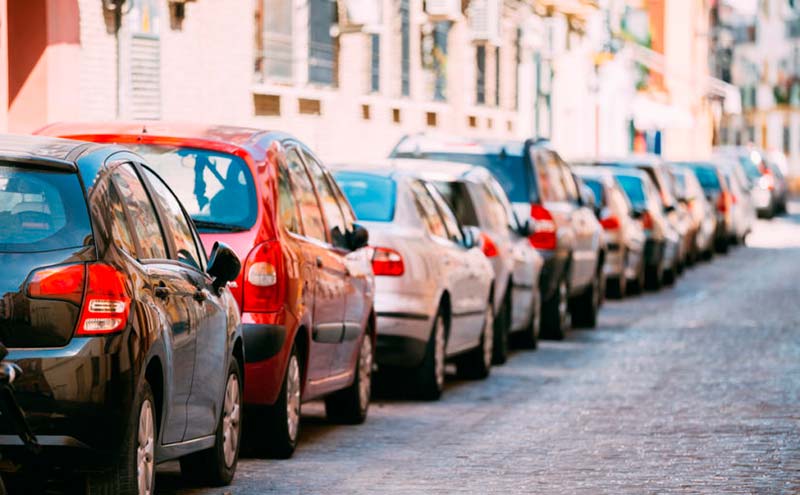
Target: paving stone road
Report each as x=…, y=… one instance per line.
x=695, y=389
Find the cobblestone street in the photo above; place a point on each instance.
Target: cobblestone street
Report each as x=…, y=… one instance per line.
x=695, y=389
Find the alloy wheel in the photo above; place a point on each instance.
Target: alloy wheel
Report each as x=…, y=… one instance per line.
x=365, y=372
x=293, y=397
x=231, y=420
x=438, y=352
x=563, y=303
x=145, y=449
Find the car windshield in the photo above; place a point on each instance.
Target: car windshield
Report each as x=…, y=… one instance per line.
x=41, y=210
x=634, y=189
x=597, y=189
x=708, y=177
x=509, y=170
x=217, y=189
x=372, y=197
x=680, y=184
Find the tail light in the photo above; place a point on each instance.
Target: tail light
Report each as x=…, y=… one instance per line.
x=610, y=223
x=724, y=202
x=647, y=221
x=544, y=228
x=387, y=262
x=767, y=182
x=488, y=246
x=98, y=288
x=264, y=283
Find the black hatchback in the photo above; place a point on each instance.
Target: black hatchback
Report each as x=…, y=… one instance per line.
x=128, y=338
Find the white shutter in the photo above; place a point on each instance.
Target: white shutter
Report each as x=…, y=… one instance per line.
x=449, y=10
x=145, y=77
x=484, y=20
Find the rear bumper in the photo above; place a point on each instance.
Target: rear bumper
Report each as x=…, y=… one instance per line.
x=402, y=338
x=265, y=360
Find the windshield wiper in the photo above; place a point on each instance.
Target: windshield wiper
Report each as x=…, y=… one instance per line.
x=204, y=224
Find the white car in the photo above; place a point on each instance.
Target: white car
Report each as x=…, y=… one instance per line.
x=743, y=211
x=433, y=284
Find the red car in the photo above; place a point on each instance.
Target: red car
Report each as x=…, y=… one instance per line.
x=306, y=285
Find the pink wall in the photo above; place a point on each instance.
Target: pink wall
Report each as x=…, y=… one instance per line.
x=3, y=67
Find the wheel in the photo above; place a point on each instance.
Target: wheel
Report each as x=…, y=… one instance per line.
x=721, y=245
x=587, y=305
x=636, y=286
x=555, y=314
x=477, y=364
x=670, y=276
x=133, y=472
x=617, y=287
x=529, y=337
x=502, y=330
x=654, y=277
x=277, y=427
x=430, y=374
x=350, y=405
x=217, y=465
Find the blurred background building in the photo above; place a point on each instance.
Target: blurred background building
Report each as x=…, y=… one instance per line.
x=350, y=77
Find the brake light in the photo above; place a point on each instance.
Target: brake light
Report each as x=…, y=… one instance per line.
x=544, y=228
x=387, y=262
x=264, y=286
x=64, y=283
x=488, y=246
x=723, y=202
x=610, y=223
x=647, y=221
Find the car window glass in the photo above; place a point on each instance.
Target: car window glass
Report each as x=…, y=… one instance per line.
x=499, y=195
x=372, y=197
x=550, y=177
x=305, y=197
x=137, y=201
x=449, y=218
x=287, y=209
x=459, y=200
x=120, y=230
x=570, y=185
x=427, y=210
x=327, y=199
x=186, y=251
x=344, y=204
x=496, y=214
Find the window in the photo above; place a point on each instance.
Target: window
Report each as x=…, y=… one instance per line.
x=344, y=204
x=458, y=199
x=497, y=76
x=305, y=197
x=634, y=189
x=186, y=250
x=275, y=50
x=450, y=221
x=427, y=210
x=436, y=57
x=570, y=186
x=496, y=213
x=499, y=195
x=287, y=209
x=375, y=63
x=327, y=198
x=137, y=202
x=373, y=197
x=322, y=49
x=405, y=48
x=787, y=139
x=480, y=83
x=550, y=177
x=120, y=229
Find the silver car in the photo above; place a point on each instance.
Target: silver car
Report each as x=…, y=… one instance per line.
x=702, y=213
x=764, y=191
x=743, y=211
x=625, y=238
x=478, y=200
x=433, y=284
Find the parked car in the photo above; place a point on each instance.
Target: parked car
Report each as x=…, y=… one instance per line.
x=662, y=240
x=718, y=193
x=743, y=212
x=433, y=285
x=546, y=199
x=761, y=180
x=306, y=289
x=624, y=236
x=128, y=337
x=780, y=185
x=704, y=220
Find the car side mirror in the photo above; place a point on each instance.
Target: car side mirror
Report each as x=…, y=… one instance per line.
x=524, y=229
x=636, y=214
x=358, y=238
x=472, y=236
x=223, y=265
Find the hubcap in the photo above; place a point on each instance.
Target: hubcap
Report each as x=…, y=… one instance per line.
x=438, y=354
x=365, y=372
x=563, y=303
x=145, y=460
x=293, y=397
x=231, y=420
x=488, y=337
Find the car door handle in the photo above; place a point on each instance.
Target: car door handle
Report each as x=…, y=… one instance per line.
x=319, y=262
x=199, y=296
x=161, y=291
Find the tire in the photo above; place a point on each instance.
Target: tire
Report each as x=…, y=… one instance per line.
x=617, y=287
x=529, y=337
x=277, y=427
x=670, y=276
x=430, y=374
x=654, y=277
x=350, y=405
x=635, y=287
x=477, y=363
x=217, y=466
x=556, y=318
x=137, y=455
x=587, y=305
x=721, y=245
x=502, y=331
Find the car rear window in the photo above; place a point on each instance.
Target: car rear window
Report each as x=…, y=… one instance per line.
x=708, y=177
x=372, y=197
x=216, y=189
x=597, y=189
x=510, y=170
x=750, y=167
x=41, y=210
x=459, y=200
x=634, y=189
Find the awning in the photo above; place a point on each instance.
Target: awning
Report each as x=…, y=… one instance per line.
x=649, y=115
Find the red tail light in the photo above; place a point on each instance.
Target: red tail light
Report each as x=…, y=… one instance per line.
x=104, y=307
x=544, y=228
x=724, y=202
x=263, y=279
x=387, y=262
x=647, y=221
x=488, y=246
x=610, y=223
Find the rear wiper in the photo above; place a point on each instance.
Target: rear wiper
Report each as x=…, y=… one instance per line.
x=204, y=224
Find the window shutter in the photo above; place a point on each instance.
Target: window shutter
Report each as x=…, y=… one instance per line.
x=145, y=77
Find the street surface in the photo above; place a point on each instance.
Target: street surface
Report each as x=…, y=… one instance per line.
x=695, y=389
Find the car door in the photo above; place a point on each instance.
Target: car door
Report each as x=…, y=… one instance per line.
x=168, y=288
x=584, y=223
x=320, y=266
x=208, y=314
x=336, y=266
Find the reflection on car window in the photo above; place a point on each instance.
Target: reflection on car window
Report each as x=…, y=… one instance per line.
x=306, y=199
x=287, y=210
x=185, y=247
x=330, y=206
x=120, y=230
x=459, y=200
x=550, y=177
x=151, y=240
x=213, y=187
x=427, y=210
x=449, y=218
x=373, y=197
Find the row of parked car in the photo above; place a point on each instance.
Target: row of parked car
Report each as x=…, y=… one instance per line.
x=136, y=347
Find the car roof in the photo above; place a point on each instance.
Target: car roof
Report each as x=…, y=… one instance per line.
x=431, y=170
x=427, y=142
x=39, y=148
x=599, y=173
x=636, y=159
